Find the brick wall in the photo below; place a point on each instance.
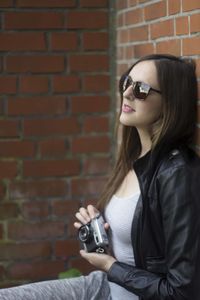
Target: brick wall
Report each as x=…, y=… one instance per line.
x=55, y=123
x=153, y=26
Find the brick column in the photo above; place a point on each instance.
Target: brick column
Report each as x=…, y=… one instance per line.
x=55, y=146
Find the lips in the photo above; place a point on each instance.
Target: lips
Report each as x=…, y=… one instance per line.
x=127, y=109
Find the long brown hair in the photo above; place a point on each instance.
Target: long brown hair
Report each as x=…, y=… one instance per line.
x=178, y=84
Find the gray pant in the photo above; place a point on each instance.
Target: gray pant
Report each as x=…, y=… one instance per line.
x=92, y=287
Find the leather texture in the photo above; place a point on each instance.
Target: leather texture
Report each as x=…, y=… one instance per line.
x=165, y=229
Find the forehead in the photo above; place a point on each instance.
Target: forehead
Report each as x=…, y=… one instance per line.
x=145, y=71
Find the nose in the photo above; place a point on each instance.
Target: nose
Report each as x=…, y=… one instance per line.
x=128, y=93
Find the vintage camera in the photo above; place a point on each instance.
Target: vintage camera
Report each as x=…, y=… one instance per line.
x=93, y=235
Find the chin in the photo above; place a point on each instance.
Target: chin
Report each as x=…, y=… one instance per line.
x=126, y=120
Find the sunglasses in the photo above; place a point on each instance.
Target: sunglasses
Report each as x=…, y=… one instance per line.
x=140, y=89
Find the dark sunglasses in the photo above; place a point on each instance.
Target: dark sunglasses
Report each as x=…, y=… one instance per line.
x=140, y=89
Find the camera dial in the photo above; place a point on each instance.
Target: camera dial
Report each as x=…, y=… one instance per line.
x=84, y=233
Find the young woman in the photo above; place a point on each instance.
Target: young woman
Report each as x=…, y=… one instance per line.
x=152, y=202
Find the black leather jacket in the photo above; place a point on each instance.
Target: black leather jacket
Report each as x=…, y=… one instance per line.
x=165, y=231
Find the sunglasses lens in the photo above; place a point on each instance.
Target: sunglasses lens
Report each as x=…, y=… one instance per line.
x=127, y=83
x=139, y=91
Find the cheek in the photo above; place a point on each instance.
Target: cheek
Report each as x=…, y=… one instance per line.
x=152, y=111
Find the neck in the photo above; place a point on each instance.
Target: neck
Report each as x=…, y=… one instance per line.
x=145, y=139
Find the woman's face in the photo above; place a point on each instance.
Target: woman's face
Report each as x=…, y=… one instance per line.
x=142, y=114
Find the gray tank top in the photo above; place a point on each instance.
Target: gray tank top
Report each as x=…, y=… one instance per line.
x=119, y=214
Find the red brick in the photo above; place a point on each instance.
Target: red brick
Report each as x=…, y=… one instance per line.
x=38, y=105
x=174, y=6
x=139, y=33
x=53, y=147
x=123, y=36
x=133, y=16
x=32, y=189
x=35, y=64
x=64, y=41
x=121, y=4
x=33, y=84
x=93, y=3
x=172, y=46
x=2, y=191
x=90, y=144
x=17, y=148
x=66, y=248
x=96, y=165
x=6, y=3
x=121, y=52
x=96, y=83
x=1, y=235
x=8, y=210
x=129, y=52
x=120, y=20
x=191, y=46
x=132, y=2
x=195, y=23
x=22, y=41
x=65, y=208
x=11, y=251
x=142, y=49
x=96, y=124
x=190, y=5
x=155, y=11
x=87, y=187
x=89, y=62
x=32, y=231
x=35, y=210
x=2, y=106
x=2, y=272
x=36, y=271
x=49, y=168
x=46, y=3
x=8, y=85
x=89, y=104
x=51, y=127
x=66, y=84
x=95, y=40
x=87, y=19
x=123, y=67
x=33, y=20
x=182, y=26
x=9, y=128
x=8, y=169
x=164, y=28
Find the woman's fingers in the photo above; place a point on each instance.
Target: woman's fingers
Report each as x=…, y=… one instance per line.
x=106, y=226
x=84, y=215
x=77, y=225
x=93, y=212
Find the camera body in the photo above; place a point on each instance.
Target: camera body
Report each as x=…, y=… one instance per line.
x=93, y=235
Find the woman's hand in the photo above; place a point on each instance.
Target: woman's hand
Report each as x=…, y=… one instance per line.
x=85, y=215
x=99, y=260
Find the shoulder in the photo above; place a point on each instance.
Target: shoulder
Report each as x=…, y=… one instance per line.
x=185, y=159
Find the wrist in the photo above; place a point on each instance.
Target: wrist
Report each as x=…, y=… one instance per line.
x=110, y=262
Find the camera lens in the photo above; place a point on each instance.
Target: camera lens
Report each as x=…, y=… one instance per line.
x=84, y=233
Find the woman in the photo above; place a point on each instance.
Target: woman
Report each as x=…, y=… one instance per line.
x=151, y=201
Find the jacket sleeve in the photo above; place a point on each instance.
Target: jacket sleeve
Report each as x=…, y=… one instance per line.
x=179, y=201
